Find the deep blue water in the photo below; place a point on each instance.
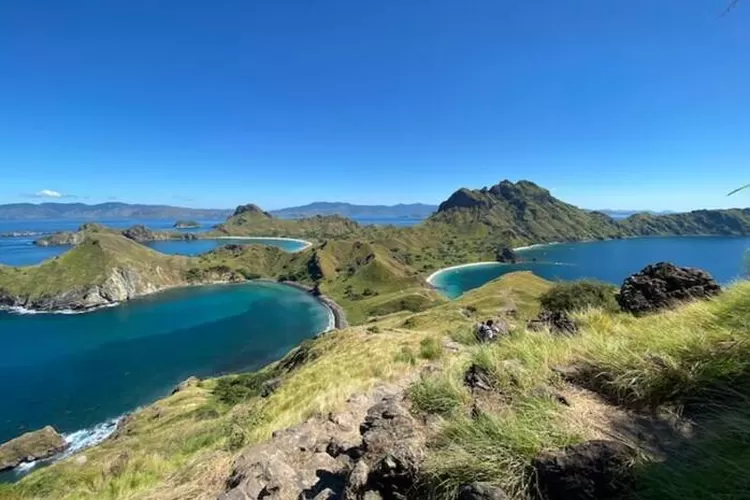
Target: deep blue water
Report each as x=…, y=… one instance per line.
x=75, y=371
x=611, y=261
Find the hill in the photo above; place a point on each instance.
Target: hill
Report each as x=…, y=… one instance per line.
x=729, y=222
x=413, y=210
x=686, y=368
x=103, y=268
x=520, y=213
x=103, y=211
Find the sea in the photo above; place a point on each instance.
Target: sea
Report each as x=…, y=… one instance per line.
x=726, y=258
x=81, y=372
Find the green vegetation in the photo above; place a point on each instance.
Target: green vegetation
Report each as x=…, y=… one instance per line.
x=576, y=296
x=694, y=357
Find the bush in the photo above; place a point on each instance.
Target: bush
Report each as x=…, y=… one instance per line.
x=438, y=395
x=581, y=295
x=406, y=356
x=430, y=348
x=235, y=389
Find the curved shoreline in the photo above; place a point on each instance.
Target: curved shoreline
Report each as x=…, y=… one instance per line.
x=307, y=244
x=431, y=277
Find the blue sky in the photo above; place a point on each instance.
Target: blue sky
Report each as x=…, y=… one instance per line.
x=610, y=104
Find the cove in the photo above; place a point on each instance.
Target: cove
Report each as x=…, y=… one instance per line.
x=610, y=261
x=76, y=371
x=197, y=247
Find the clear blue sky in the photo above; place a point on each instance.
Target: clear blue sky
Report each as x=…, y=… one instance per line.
x=609, y=103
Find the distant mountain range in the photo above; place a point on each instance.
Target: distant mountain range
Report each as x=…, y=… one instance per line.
x=414, y=210
x=104, y=211
x=623, y=214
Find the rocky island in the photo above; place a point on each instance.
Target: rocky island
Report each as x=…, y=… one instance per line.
x=186, y=224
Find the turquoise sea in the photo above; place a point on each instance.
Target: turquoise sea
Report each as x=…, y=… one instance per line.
x=726, y=258
x=79, y=371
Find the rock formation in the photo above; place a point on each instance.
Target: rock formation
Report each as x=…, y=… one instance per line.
x=594, y=470
x=31, y=446
x=250, y=208
x=557, y=321
x=507, y=255
x=663, y=285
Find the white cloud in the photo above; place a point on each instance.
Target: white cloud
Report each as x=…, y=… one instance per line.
x=50, y=194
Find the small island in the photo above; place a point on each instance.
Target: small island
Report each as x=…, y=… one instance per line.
x=186, y=224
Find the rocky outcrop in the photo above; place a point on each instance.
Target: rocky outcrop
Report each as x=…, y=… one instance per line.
x=250, y=208
x=61, y=238
x=481, y=491
x=507, y=255
x=121, y=284
x=141, y=234
x=369, y=451
x=558, y=322
x=186, y=224
x=594, y=470
x=31, y=446
x=664, y=285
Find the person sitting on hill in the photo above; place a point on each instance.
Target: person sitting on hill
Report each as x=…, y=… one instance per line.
x=487, y=331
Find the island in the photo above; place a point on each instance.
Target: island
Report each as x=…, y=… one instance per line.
x=408, y=401
x=186, y=224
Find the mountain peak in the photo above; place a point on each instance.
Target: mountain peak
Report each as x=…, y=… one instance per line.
x=250, y=208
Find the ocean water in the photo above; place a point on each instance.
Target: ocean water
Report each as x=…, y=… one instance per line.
x=78, y=372
x=21, y=251
x=726, y=258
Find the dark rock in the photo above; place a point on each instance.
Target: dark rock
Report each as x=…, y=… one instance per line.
x=663, y=285
x=507, y=255
x=393, y=447
x=480, y=491
x=31, y=446
x=556, y=321
x=139, y=233
x=357, y=481
x=185, y=384
x=269, y=387
x=477, y=377
x=594, y=470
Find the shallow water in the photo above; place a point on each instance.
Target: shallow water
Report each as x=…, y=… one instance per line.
x=611, y=261
x=78, y=371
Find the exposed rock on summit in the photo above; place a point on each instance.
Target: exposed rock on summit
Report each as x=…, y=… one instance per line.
x=250, y=208
x=663, y=285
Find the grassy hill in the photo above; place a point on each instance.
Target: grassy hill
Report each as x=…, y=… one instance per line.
x=730, y=222
x=104, y=267
x=689, y=363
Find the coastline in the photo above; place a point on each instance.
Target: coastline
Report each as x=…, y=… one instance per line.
x=307, y=244
x=431, y=277
x=337, y=316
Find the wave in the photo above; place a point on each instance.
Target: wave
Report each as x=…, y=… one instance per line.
x=77, y=441
x=23, y=310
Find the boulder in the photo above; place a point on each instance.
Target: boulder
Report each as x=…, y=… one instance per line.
x=663, y=285
x=593, y=470
x=506, y=254
x=557, y=321
x=186, y=384
x=480, y=491
x=31, y=446
x=393, y=448
x=477, y=377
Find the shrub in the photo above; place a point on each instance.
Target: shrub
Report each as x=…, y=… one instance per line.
x=235, y=389
x=580, y=295
x=406, y=356
x=430, y=348
x=438, y=395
